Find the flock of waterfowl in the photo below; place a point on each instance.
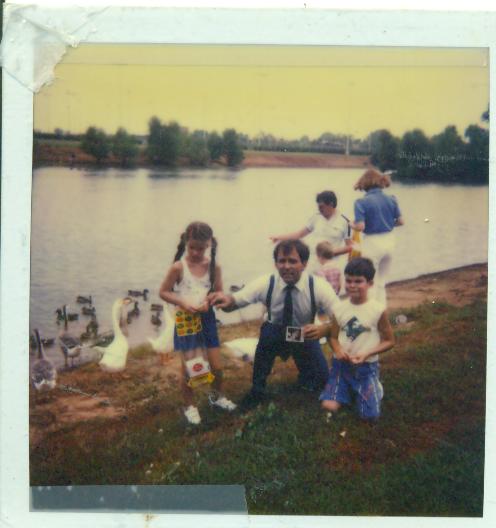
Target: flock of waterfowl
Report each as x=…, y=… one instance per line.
x=111, y=348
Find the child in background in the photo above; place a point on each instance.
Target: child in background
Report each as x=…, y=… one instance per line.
x=192, y=276
x=327, y=269
x=359, y=332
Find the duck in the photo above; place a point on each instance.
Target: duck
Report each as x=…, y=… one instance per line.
x=155, y=320
x=137, y=293
x=43, y=371
x=69, y=345
x=115, y=355
x=91, y=329
x=86, y=310
x=164, y=343
x=156, y=307
x=241, y=348
x=60, y=315
x=84, y=300
x=135, y=311
x=68, y=316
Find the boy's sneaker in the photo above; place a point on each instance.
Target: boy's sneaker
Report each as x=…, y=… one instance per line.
x=192, y=415
x=223, y=403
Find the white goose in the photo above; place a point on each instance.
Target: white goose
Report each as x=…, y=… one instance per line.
x=115, y=355
x=43, y=371
x=241, y=348
x=164, y=343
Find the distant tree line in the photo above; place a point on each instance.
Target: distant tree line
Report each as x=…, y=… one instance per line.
x=445, y=157
x=166, y=144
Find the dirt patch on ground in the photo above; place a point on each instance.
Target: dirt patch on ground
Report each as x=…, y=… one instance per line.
x=303, y=159
x=459, y=287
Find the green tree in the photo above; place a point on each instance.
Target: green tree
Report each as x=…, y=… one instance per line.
x=384, y=147
x=164, y=142
x=232, y=149
x=195, y=148
x=476, y=167
x=448, y=151
x=124, y=147
x=215, y=146
x=96, y=143
x=414, y=156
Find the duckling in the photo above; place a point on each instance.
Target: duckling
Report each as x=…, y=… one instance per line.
x=156, y=321
x=43, y=371
x=84, y=300
x=48, y=341
x=115, y=355
x=157, y=307
x=136, y=293
x=85, y=310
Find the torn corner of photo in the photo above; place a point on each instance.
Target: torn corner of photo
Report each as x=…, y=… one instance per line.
x=36, y=38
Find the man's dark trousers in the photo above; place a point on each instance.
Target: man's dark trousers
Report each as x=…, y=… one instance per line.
x=308, y=357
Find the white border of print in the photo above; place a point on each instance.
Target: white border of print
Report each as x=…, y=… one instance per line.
x=138, y=25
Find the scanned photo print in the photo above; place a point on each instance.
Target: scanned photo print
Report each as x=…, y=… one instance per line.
x=263, y=265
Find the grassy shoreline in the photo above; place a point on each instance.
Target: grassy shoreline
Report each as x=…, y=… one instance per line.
x=424, y=457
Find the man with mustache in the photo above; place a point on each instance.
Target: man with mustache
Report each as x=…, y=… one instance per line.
x=292, y=298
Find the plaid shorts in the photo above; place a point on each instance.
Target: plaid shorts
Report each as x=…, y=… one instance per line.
x=362, y=381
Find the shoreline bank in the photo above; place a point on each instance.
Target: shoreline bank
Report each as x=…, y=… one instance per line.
x=73, y=156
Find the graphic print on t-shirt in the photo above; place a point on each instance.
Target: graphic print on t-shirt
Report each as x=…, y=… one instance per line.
x=354, y=328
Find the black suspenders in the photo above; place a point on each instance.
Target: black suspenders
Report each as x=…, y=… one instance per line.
x=268, y=299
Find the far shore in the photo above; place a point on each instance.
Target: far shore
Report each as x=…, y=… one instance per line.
x=73, y=156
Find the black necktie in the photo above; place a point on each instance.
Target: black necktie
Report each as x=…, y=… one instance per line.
x=287, y=312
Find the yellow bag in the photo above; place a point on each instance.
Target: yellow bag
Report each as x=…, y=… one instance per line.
x=356, y=240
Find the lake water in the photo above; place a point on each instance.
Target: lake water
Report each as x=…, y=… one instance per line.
x=102, y=232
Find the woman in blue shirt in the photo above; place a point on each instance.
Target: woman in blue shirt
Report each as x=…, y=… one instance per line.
x=376, y=215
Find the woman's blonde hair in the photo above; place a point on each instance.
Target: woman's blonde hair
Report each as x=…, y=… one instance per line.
x=371, y=179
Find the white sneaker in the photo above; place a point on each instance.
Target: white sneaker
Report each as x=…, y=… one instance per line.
x=223, y=403
x=192, y=415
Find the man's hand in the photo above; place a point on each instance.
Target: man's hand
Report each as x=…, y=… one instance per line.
x=220, y=300
x=313, y=331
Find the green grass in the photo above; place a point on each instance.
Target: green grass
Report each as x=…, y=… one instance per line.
x=424, y=457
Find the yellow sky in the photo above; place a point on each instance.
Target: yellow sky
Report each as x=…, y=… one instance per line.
x=283, y=90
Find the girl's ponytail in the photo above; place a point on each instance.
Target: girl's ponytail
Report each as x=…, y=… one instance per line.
x=213, y=252
x=180, y=247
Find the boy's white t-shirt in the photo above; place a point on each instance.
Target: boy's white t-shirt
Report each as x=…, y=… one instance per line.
x=358, y=330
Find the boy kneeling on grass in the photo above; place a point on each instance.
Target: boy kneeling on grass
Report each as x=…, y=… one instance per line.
x=358, y=333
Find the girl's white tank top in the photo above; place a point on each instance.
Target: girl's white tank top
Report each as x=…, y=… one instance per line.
x=192, y=288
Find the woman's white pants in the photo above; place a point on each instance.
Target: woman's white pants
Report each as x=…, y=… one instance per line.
x=379, y=249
